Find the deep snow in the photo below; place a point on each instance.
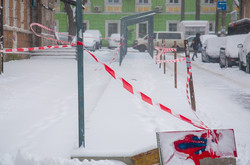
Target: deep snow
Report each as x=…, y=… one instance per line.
x=38, y=100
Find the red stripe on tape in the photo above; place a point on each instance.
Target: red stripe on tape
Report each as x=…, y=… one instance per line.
x=185, y=119
x=146, y=98
x=20, y=49
x=165, y=108
x=127, y=86
x=110, y=71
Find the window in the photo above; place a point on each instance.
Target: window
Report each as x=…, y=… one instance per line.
x=84, y=26
x=209, y=1
x=112, y=28
x=173, y=1
x=211, y=26
x=142, y=30
x=172, y=27
x=169, y=36
x=194, y=30
x=143, y=1
x=113, y=1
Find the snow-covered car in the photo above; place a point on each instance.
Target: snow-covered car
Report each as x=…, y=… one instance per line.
x=89, y=41
x=244, y=54
x=203, y=38
x=229, y=53
x=97, y=36
x=114, y=40
x=211, y=49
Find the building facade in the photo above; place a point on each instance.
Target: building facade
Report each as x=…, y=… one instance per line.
x=105, y=15
x=17, y=17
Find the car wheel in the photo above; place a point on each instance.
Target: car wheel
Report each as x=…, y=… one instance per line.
x=202, y=58
x=207, y=58
x=228, y=62
x=220, y=62
x=142, y=48
x=240, y=64
x=248, y=68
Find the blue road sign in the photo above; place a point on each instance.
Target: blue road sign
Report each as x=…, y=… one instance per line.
x=222, y=5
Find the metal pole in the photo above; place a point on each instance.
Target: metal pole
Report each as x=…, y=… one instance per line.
x=1, y=35
x=175, y=66
x=80, y=73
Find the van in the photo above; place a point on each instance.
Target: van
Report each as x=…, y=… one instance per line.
x=161, y=39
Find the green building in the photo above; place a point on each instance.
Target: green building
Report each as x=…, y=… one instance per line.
x=105, y=15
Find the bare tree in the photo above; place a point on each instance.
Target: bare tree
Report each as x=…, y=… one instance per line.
x=71, y=20
x=197, y=14
x=71, y=16
x=182, y=10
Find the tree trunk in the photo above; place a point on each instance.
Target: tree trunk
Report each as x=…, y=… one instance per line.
x=71, y=21
x=197, y=14
x=182, y=10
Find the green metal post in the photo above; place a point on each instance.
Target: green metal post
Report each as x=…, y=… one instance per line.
x=1, y=35
x=80, y=73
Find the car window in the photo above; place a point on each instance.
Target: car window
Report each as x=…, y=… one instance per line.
x=169, y=36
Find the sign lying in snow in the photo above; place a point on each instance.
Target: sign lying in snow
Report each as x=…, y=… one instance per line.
x=185, y=146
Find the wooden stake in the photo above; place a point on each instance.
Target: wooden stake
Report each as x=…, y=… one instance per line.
x=191, y=85
x=164, y=64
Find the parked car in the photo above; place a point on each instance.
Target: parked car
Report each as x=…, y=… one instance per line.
x=89, y=41
x=211, y=49
x=114, y=40
x=229, y=53
x=244, y=54
x=98, y=37
x=203, y=38
x=161, y=38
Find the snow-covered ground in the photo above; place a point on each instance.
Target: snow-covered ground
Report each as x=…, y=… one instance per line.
x=39, y=113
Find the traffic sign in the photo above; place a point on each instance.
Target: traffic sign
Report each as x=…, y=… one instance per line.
x=222, y=5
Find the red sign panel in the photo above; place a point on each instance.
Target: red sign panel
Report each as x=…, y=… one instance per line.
x=190, y=146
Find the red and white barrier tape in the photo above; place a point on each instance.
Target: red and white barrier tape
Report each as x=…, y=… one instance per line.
x=73, y=44
x=35, y=48
x=144, y=97
x=140, y=95
x=162, y=51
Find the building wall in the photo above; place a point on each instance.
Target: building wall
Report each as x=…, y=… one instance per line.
x=18, y=15
x=16, y=29
x=245, y=9
x=99, y=12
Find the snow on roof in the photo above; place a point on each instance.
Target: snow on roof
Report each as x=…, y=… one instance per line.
x=194, y=23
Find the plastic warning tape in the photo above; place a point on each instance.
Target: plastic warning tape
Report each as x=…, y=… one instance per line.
x=162, y=51
x=165, y=49
x=126, y=85
x=35, y=48
x=140, y=95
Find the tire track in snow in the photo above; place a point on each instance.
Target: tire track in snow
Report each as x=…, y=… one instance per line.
x=239, y=83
